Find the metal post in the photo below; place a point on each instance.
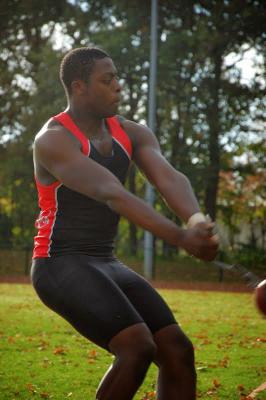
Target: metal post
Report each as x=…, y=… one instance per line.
x=148, y=237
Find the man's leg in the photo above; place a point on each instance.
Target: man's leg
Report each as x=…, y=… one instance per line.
x=134, y=350
x=175, y=358
x=81, y=290
x=175, y=355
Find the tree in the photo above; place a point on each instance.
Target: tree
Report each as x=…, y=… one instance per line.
x=24, y=30
x=205, y=111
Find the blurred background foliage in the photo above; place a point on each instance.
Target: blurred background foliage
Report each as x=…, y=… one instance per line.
x=211, y=102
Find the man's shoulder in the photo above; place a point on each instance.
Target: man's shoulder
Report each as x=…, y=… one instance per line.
x=132, y=127
x=48, y=130
x=140, y=135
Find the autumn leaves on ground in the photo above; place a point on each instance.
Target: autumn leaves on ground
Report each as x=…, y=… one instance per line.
x=43, y=357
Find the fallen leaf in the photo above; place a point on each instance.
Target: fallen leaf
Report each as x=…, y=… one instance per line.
x=43, y=345
x=59, y=350
x=31, y=388
x=216, y=383
x=44, y=395
x=92, y=354
x=205, y=341
x=201, y=336
x=224, y=362
x=263, y=340
x=149, y=395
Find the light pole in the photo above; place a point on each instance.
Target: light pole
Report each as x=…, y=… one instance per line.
x=148, y=237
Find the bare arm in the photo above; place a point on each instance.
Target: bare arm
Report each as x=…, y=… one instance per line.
x=175, y=189
x=56, y=153
x=172, y=184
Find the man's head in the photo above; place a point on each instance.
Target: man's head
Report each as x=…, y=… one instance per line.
x=78, y=65
x=89, y=77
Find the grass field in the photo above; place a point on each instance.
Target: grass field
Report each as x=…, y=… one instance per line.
x=43, y=357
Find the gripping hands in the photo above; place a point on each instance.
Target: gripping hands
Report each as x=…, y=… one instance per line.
x=199, y=239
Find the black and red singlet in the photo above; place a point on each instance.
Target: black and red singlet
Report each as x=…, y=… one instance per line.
x=70, y=222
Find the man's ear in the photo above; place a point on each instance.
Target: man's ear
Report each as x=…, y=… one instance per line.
x=78, y=87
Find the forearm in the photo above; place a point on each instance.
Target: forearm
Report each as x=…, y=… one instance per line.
x=179, y=196
x=172, y=184
x=141, y=214
x=107, y=189
x=196, y=241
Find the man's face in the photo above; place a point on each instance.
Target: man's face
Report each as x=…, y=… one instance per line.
x=102, y=92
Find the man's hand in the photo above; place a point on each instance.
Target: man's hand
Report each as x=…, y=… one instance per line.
x=201, y=242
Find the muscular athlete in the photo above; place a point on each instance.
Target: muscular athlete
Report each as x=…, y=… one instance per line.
x=81, y=160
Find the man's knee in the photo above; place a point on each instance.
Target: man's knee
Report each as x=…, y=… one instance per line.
x=134, y=346
x=139, y=353
x=174, y=348
x=134, y=350
x=145, y=349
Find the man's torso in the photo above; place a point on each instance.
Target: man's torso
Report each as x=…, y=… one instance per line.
x=70, y=222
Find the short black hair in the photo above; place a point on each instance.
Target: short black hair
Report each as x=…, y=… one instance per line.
x=78, y=64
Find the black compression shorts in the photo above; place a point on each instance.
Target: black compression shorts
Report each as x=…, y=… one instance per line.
x=99, y=296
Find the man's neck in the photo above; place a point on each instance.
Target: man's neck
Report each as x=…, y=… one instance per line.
x=88, y=123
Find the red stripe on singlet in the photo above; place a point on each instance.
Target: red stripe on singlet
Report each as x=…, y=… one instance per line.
x=120, y=135
x=48, y=195
x=67, y=122
x=46, y=219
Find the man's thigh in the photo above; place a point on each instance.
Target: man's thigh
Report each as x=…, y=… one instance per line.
x=85, y=295
x=145, y=299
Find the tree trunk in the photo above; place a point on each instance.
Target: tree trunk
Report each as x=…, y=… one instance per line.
x=214, y=149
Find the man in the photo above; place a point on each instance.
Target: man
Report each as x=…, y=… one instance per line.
x=81, y=158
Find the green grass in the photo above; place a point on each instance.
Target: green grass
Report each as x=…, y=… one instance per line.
x=41, y=356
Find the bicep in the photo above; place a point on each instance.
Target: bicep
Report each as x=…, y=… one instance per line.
x=156, y=168
x=149, y=159
x=70, y=166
